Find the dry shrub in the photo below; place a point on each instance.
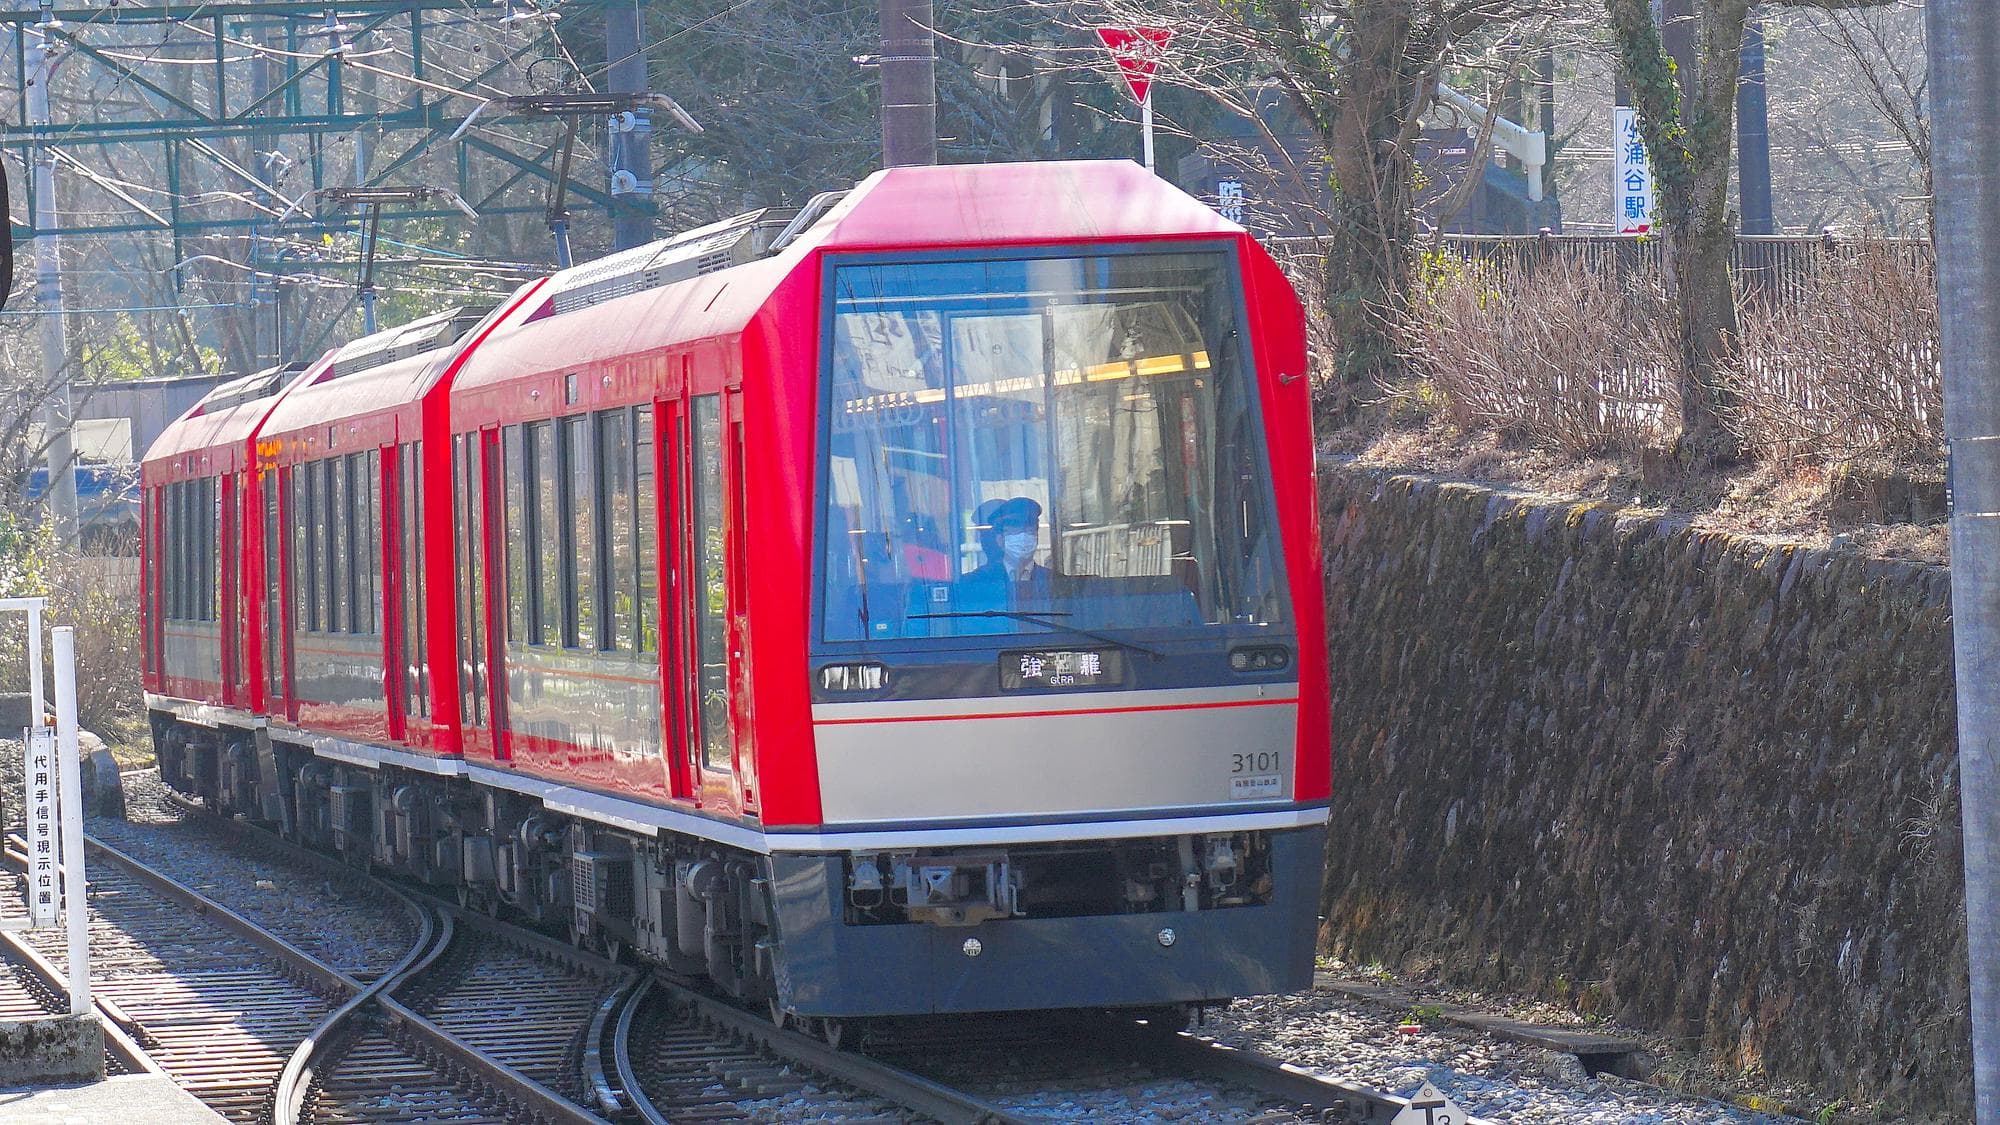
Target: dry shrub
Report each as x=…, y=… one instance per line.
x=1552, y=353
x=1848, y=370
x=99, y=596
x=1304, y=263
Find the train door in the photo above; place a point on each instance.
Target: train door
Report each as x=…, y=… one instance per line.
x=273, y=635
x=410, y=680
x=737, y=582
x=682, y=741
x=230, y=623
x=701, y=607
x=395, y=548
x=155, y=571
x=469, y=534
x=491, y=585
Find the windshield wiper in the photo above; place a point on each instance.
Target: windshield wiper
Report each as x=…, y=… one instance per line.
x=1045, y=619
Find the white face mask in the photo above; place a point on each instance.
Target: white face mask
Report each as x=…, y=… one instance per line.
x=1018, y=545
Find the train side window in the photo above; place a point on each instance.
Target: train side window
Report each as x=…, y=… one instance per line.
x=581, y=502
x=305, y=576
x=711, y=588
x=477, y=547
x=545, y=620
x=371, y=464
x=645, y=538
x=337, y=524
x=176, y=547
x=363, y=553
x=169, y=557
x=472, y=532
x=514, y=533
x=170, y=548
x=616, y=582
x=410, y=551
x=212, y=550
x=184, y=550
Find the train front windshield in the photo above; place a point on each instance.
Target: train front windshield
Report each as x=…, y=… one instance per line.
x=1040, y=445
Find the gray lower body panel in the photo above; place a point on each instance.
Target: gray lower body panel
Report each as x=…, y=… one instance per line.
x=829, y=968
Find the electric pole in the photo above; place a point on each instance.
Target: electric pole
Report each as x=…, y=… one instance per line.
x=1964, y=38
x=631, y=131
x=1753, y=134
x=909, y=84
x=42, y=59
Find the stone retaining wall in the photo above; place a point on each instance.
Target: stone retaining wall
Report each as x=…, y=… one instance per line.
x=1696, y=782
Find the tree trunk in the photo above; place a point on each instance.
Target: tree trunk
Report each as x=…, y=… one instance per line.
x=1373, y=220
x=1689, y=123
x=1705, y=301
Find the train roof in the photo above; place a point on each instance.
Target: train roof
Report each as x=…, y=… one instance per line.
x=636, y=302
x=1013, y=204
x=703, y=285
x=380, y=392
x=214, y=434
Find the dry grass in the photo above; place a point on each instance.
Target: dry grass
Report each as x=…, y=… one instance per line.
x=1550, y=374
x=1791, y=504
x=1846, y=371
x=1556, y=354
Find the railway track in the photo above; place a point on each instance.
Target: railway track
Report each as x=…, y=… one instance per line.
x=1063, y=1049
x=485, y=1021
x=481, y=1021
x=208, y=996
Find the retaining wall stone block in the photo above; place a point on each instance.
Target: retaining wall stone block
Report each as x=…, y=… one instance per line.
x=1695, y=781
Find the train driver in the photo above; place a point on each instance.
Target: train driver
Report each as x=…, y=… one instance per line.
x=1010, y=533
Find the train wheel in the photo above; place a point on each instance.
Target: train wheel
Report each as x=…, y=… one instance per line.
x=833, y=1031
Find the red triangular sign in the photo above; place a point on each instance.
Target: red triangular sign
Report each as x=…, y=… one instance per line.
x=1137, y=51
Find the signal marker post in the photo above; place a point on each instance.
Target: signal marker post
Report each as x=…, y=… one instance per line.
x=1137, y=51
x=53, y=795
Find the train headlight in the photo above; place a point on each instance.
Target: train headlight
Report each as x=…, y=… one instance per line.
x=1260, y=658
x=853, y=677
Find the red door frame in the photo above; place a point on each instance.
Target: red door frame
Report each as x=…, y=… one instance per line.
x=736, y=576
x=669, y=585
x=389, y=481
x=492, y=592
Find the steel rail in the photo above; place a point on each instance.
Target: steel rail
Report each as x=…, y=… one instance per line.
x=540, y=1101
x=121, y=1031
x=300, y=1069
x=913, y=1091
x=404, y=1022
x=1186, y=1051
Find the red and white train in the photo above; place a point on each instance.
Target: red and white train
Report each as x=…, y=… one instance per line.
x=911, y=605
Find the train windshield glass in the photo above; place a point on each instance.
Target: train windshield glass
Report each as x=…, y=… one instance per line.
x=1043, y=444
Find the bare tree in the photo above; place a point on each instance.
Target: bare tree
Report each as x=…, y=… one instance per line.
x=1886, y=46
x=1689, y=126
x=1361, y=76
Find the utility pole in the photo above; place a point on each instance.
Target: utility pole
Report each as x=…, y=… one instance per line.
x=631, y=131
x=909, y=84
x=1753, y=134
x=42, y=60
x=1964, y=40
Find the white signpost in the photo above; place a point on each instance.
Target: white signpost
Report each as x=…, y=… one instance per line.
x=53, y=792
x=43, y=897
x=1632, y=196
